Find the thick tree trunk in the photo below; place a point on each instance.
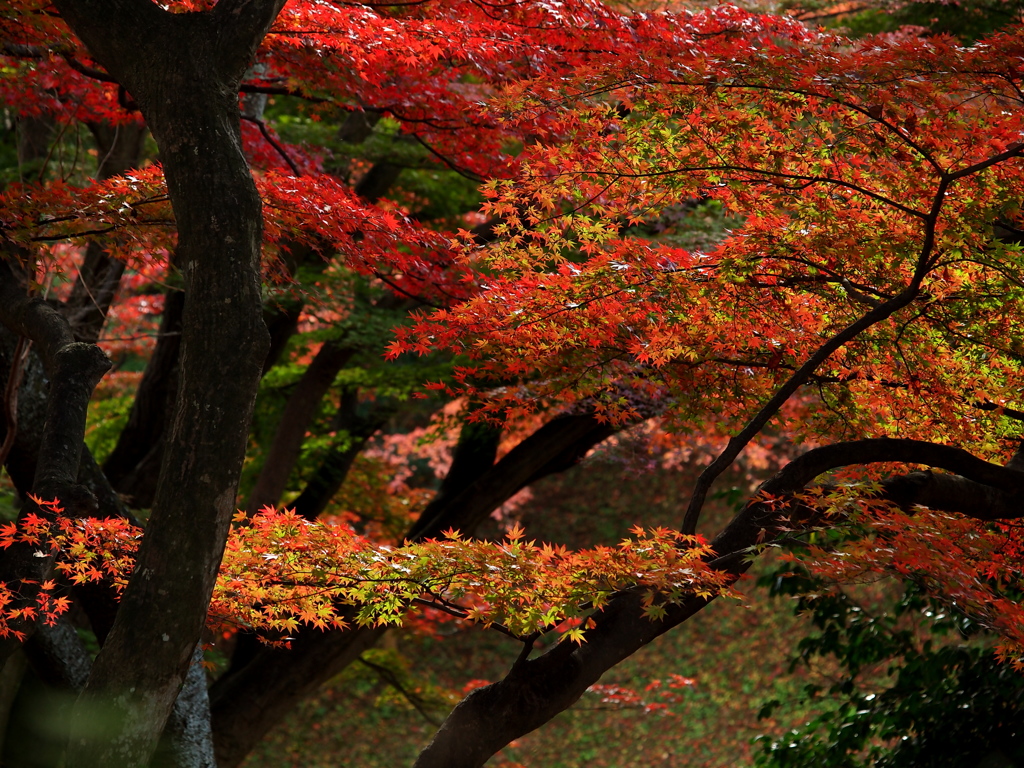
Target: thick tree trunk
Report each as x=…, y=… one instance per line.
x=183, y=70
x=56, y=653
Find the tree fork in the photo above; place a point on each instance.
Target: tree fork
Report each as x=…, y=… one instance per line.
x=73, y=369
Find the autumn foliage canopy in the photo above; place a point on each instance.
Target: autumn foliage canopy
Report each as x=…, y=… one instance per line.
x=857, y=319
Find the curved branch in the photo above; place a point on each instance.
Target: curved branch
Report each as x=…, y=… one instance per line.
x=803, y=469
x=536, y=690
x=881, y=312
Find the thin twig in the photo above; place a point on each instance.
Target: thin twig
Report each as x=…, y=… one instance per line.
x=389, y=677
x=274, y=143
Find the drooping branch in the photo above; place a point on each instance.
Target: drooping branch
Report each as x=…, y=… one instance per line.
x=247, y=701
x=536, y=690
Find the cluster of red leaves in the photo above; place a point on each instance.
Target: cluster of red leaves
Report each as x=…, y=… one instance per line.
x=132, y=214
x=427, y=65
x=454, y=55
x=45, y=606
x=973, y=566
x=44, y=603
x=656, y=697
x=854, y=165
x=280, y=572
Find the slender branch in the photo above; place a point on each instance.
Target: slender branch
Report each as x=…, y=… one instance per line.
x=803, y=374
x=389, y=677
x=274, y=143
x=447, y=161
x=92, y=72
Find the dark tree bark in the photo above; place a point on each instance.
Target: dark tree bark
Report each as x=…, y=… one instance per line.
x=473, y=456
x=282, y=323
x=57, y=655
x=187, y=739
x=98, y=600
x=73, y=370
x=183, y=70
x=246, y=705
x=299, y=412
x=378, y=180
x=25, y=433
x=35, y=136
x=556, y=446
x=133, y=466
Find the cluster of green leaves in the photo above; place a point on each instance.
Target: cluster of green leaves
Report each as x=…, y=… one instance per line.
x=967, y=20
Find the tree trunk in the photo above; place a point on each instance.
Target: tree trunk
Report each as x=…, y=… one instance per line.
x=183, y=70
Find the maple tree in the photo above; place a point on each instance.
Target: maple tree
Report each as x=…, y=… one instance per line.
x=290, y=224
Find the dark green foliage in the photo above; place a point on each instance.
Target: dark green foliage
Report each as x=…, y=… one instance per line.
x=968, y=20
x=917, y=686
